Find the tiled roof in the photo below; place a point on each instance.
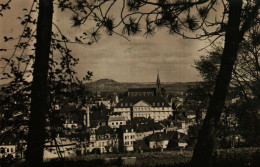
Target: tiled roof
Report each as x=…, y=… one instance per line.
x=152, y=100
x=141, y=144
x=158, y=137
x=9, y=140
x=127, y=127
x=142, y=90
x=104, y=130
x=148, y=127
x=116, y=118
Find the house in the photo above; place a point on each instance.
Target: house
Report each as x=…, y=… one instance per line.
x=106, y=139
x=178, y=140
x=59, y=147
x=144, y=130
x=158, y=140
x=128, y=137
x=114, y=121
x=8, y=147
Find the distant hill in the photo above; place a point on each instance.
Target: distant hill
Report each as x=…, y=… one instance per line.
x=109, y=85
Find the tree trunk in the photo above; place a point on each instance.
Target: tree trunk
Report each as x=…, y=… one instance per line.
x=202, y=155
x=39, y=94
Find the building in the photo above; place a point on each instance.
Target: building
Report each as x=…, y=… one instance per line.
x=60, y=147
x=128, y=137
x=115, y=121
x=144, y=130
x=8, y=148
x=106, y=139
x=158, y=140
x=155, y=107
x=145, y=102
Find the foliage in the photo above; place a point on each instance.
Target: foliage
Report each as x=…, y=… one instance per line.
x=63, y=86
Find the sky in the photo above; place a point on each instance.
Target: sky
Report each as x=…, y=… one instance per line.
x=114, y=57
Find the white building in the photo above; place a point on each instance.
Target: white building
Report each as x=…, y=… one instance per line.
x=154, y=107
x=129, y=137
x=7, y=149
x=145, y=102
x=115, y=121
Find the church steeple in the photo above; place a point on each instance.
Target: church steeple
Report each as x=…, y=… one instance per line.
x=158, y=85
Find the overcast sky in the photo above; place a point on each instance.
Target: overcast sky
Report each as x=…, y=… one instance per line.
x=118, y=59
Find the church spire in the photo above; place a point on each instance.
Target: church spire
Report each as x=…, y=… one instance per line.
x=158, y=85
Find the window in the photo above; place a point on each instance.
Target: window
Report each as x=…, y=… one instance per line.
x=113, y=123
x=126, y=143
x=7, y=150
x=158, y=104
x=131, y=142
x=121, y=123
x=117, y=123
x=126, y=104
x=12, y=150
x=99, y=144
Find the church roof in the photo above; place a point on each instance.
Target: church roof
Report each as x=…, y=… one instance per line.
x=155, y=101
x=141, y=89
x=144, y=89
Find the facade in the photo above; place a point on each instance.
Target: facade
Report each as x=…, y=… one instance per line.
x=115, y=121
x=63, y=146
x=106, y=139
x=128, y=139
x=7, y=149
x=158, y=140
x=145, y=102
x=154, y=107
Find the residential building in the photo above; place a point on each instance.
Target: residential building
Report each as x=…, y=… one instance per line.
x=115, y=121
x=106, y=139
x=8, y=148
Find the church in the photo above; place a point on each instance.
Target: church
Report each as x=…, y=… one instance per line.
x=145, y=102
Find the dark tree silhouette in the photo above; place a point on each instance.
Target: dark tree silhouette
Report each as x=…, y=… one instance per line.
x=39, y=94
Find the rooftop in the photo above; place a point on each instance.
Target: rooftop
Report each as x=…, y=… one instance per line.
x=156, y=101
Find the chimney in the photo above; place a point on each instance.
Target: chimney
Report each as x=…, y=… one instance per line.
x=131, y=113
x=116, y=101
x=88, y=119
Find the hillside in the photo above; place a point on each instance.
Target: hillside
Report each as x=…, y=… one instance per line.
x=108, y=85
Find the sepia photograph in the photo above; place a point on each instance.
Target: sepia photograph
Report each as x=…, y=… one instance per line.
x=129, y=83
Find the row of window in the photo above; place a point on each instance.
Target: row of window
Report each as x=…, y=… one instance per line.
x=117, y=123
x=129, y=137
x=154, y=104
x=127, y=143
x=102, y=144
x=100, y=137
x=7, y=150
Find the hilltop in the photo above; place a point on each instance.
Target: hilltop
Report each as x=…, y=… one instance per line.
x=109, y=85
